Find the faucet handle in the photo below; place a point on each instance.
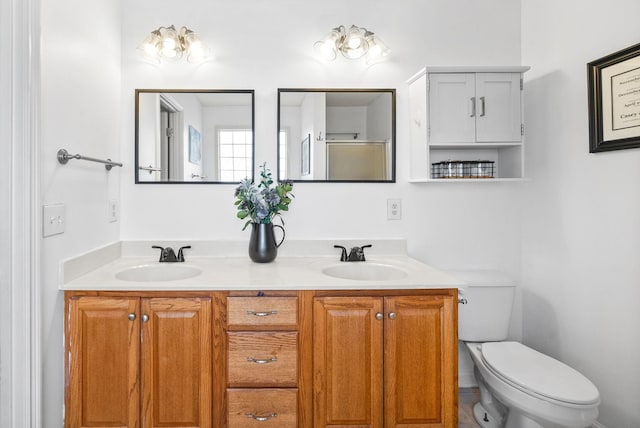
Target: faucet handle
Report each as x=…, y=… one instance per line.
x=362, y=250
x=161, y=251
x=343, y=256
x=181, y=254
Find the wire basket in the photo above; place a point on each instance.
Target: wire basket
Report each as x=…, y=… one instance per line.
x=463, y=169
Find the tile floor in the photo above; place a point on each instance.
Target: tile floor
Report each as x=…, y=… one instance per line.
x=467, y=397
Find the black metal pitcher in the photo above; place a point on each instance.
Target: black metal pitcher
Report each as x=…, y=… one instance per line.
x=262, y=244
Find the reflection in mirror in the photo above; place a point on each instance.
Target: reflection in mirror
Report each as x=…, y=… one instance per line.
x=194, y=136
x=336, y=135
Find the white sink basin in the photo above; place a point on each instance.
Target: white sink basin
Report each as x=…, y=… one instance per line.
x=365, y=271
x=158, y=272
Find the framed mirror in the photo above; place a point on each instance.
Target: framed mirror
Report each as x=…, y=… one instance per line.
x=337, y=135
x=194, y=136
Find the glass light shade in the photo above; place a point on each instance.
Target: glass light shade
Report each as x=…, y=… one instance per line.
x=354, y=45
x=149, y=47
x=377, y=49
x=326, y=51
x=170, y=44
x=354, y=38
x=197, y=50
x=327, y=47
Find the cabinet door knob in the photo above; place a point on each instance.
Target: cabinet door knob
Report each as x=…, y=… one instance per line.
x=145, y=318
x=392, y=315
x=261, y=418
x=262, y=361
x=379, y=316
x=131, y=317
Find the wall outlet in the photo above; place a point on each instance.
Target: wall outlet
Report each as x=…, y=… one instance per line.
x=53, y=219
x=394, y=209
x=113, y=211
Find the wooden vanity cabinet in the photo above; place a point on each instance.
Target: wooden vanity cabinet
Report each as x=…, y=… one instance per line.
x=385, y=360
x=286, y=359
x=138, y=362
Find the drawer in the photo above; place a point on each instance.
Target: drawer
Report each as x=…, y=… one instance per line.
x=262, y=358
x=262, y=312
x=262, y=408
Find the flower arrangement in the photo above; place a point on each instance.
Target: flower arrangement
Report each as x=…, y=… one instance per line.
x=263, y=202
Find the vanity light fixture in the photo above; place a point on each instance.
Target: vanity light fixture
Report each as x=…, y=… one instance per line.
x=353, y=44
x=169, y=43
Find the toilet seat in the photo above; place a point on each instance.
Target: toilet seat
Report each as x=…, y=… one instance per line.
x=538, y=374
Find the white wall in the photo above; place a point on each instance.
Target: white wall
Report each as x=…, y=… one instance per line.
x=86, y=109
x=345, y=120
x=582, y=240
x=454, y=225
x=280, y=47
x=581, y=237
x=80, y=111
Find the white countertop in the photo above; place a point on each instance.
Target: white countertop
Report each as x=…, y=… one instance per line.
x=97, y=271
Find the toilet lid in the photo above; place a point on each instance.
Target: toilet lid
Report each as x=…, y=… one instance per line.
x=535, y=372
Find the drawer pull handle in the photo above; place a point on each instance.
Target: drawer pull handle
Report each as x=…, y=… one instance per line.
x=262, y=418
x=262, y=361
x=262, y=314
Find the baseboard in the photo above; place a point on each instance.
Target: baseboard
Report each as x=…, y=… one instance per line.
x=467, y=380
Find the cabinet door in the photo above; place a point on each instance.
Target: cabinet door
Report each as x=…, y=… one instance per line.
x=347, y=362
x=103, y=345
x=420, y=362
x=452, y=108
x=176, y=362
x=498, y=107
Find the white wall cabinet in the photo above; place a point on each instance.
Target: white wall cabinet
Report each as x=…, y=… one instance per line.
x=467, y=114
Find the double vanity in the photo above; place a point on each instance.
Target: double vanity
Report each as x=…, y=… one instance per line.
x=220, y=341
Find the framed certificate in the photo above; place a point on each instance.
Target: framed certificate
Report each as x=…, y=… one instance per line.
x=614, y=101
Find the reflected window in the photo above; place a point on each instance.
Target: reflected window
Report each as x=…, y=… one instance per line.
x=235, y=148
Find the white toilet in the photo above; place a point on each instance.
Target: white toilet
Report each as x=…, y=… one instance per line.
x=519, y=387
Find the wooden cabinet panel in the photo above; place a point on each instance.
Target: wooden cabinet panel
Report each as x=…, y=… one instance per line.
x=176, y=362
x=102, y=362
x=246, y=313
x=420, y=380
x=347, y=362
x=259, y=359
x=264, y=408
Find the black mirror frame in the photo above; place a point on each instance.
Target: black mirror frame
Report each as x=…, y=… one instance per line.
x=353, y=90
x=195, y=91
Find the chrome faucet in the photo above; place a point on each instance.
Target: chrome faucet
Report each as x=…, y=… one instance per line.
x=167, y=255
x=355, y=255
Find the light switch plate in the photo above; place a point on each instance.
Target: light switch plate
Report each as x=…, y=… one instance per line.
x=53, y=219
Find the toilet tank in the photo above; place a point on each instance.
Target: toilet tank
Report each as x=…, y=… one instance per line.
x=487, y=314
